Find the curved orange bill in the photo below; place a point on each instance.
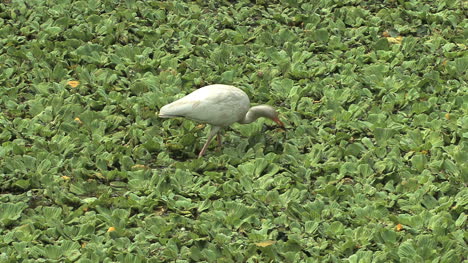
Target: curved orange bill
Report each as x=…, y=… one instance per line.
x=280, y=123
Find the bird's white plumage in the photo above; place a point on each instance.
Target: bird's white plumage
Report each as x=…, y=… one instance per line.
x=218, y=105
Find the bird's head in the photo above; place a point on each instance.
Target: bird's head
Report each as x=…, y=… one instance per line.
x=268, y=112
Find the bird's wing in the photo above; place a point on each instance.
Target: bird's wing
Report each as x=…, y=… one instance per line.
x=210, y=105
x=185, y=106
x=177, y=108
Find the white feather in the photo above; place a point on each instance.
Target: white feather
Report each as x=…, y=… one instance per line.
x=219, y=105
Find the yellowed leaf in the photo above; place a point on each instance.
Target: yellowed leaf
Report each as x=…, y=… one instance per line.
x=78, y=120
x=139, y=166
x=111, y=229
x=395, y=40
x=266, y=243
x=100, y=176
x=24, y=226
x=399, y=227
x=66, y=178
x=447, y=116
x=73, y=83
x=347, y=180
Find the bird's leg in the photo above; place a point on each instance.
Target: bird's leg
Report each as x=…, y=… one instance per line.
x=214, y=130
x=218, y=136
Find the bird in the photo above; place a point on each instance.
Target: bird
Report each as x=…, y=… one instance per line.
x=220, y=106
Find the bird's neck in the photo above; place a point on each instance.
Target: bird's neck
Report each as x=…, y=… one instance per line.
x=256, y=112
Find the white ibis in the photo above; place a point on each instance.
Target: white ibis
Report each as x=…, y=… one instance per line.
x=218, y=105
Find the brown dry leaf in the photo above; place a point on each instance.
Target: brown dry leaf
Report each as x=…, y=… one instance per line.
x=266, y=243
x=160, y=211
x=385, y=34
x=73, y=83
